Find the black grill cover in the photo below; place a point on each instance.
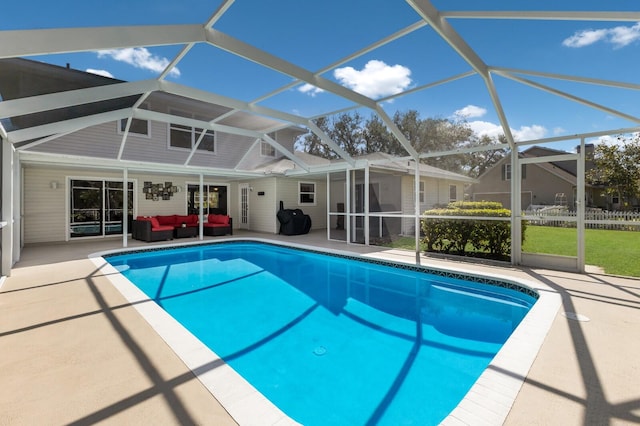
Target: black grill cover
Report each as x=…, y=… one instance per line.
x=293, y=221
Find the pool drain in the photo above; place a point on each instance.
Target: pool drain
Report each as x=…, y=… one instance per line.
x=320, y=350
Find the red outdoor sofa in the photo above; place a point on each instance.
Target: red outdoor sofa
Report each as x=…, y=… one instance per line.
x=163, y=227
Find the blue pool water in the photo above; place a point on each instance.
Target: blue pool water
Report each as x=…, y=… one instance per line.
x=332, y=340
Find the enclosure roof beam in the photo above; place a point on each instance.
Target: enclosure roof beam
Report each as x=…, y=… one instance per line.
x=618, y=16
x=440, y=25
x=40, y=103
x=16, y=43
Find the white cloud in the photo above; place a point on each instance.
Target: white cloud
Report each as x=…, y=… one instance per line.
x=103, y=73
x=558, y=131
x=376, y=79
x=470, y=111
x=616, y=140
x=525, y=133
x=310, y=89
x=482, y=128
x=141, y=58
x=619, y=36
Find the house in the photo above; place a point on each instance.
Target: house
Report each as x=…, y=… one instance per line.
x=391, y=192
x=73, y=180
x=182, y=154
x=542, y=184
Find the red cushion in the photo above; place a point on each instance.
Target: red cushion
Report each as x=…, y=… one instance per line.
x=143, y=218
x=189, y=220
x=221, y=219
x=154, y=223
x=168, y=220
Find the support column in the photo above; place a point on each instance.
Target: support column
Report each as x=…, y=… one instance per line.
x=200, y=208
x=125, y=206
x=366, y=204
x=348, y=206
x=328, y=197
x=516, y=209
x=7, y=207
x=416, y=183
x=580, y=206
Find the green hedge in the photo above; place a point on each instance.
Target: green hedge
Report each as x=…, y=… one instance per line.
x=458, y=235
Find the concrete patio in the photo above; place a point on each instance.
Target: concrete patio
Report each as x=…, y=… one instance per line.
x=76, y=352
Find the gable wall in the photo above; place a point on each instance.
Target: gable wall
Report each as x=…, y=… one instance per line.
x=104, y=141
x=538, y=187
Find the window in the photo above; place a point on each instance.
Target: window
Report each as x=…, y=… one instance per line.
x=421, y=192
x=307, y=193
x=186, y=137
x=506, y=172
x=453, y=193
x=267, y=150
x=138, y=127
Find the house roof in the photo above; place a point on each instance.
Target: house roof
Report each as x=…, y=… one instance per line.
x=403, y=165
x=557, y=168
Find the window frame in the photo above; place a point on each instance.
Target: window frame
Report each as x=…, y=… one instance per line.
x=194, y=135
x=272, y=149
x=455, y=191
x=506, y=172
x=312, y=193
x=122, y=124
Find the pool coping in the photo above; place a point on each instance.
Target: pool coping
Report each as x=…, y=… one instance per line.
x=487, y=402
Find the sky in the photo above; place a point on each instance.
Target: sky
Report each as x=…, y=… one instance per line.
x=318, y=36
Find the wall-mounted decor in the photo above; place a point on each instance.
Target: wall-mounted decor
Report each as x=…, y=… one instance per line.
x=159, y=191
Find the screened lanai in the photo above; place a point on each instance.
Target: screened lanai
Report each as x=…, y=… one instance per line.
x=256, y=73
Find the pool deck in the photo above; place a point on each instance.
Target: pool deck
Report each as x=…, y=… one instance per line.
x=75, y=351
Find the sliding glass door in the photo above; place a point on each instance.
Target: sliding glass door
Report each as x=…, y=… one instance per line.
x=214, y=199
x=97, y=207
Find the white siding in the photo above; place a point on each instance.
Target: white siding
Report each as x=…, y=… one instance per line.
x=263, y=208
x=44, y=217
x=46, y=209
x=288, y=193
x=176, y=205
x=436, y=191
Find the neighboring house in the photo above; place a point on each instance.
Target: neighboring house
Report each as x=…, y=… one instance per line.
x=542, y=184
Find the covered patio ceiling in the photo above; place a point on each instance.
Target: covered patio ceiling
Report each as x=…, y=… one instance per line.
x=273, y=87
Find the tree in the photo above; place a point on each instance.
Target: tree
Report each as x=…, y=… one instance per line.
x=481, y=161
x=358, y=136
x=346, y=130
x=617, y=168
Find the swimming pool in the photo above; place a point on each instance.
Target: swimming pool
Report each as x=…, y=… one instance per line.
x=398, y=327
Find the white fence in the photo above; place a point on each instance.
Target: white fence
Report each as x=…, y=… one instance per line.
x=594, y=219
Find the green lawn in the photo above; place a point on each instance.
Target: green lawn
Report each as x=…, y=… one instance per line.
x=617, y=252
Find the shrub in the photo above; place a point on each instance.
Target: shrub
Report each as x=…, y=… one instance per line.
x=455, y=235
